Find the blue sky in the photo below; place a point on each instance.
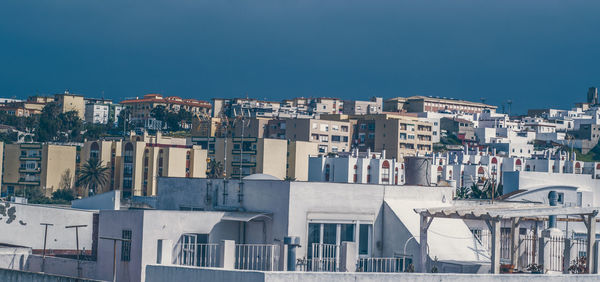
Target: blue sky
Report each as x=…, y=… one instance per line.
x=537, y=53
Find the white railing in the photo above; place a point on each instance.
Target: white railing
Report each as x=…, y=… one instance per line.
x=257, y=257
x=528, y=250
x=324, y=257
x=380, y=265
x=203, y=255
x=556, y=248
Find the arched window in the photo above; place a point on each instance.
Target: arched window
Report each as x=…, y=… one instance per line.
x=527, y=168
x=385, y=172
x=578, y=168
x=369, y=174
x=355, y=177
x=518, y=164
x=327, y=171
x=440, y=169
x=480, y=174
x=396, y=176
x=450, y=175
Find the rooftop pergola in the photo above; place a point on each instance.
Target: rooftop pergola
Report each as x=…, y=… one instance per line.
x=494, y=214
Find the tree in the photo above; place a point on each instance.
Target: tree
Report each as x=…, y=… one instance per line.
x=63, y=196
x=93, y=175
x=215, y=169
x=65, y=180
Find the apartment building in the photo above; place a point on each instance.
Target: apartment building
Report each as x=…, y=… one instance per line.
x=101, y=111
x=141, y=108
x=331, y=135
x=109, y=153
x=250, y=155
x=363, y=168
x=206, y=127
x=355, y=107
x=37, y=165
x=417, y=104
x=298, y=154
x=71, y=102
x=23, y=108
x=403, y=136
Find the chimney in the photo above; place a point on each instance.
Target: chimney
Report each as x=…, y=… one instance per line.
x=383, y=154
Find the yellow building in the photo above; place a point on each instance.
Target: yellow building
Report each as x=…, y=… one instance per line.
x=71, y=102
x=297, y=159
x=49, y=167
x=251, y=155
x=136, y=163
x=402, y=136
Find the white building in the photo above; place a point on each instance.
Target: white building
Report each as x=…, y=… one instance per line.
x=364, y=168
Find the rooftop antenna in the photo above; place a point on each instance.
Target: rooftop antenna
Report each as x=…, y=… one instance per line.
x=509, y=102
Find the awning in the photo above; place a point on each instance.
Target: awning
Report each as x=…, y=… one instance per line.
x=245, y=216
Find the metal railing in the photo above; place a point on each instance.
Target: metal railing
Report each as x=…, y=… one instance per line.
x=203, y=255
x=324, y=257
x=257, y=257
x=556, y=245
x=528, y=250
x=380, y=265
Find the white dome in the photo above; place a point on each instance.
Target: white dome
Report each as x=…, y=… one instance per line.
x=260, y=176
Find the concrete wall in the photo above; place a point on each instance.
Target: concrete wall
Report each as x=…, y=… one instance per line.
x=166, y=273
x=18, y=276
x=25, y=228
x=106, y=201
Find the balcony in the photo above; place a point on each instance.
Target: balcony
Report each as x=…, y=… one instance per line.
x=249, y=152
x=30, y=170
x=30, y=158
x=244, y=163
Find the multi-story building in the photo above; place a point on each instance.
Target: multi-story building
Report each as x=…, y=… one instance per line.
x=400, y=134
x=102, y=111
x=45, y=166
x=403, y=136
x=331, y=135
x=355, y=107
x=23, y=108
x=461, y=128
x=417, y=104
x=298, y=153
x=109, y=153
x=71, y=102
x=242, y=157
x=141, y=109
x=363, y=168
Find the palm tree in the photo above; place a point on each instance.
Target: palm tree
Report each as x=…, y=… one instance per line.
x=215, y=169
x=93, y=175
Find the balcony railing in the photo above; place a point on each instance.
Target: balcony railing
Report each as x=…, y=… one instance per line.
x=381, y=265
x=263, y=257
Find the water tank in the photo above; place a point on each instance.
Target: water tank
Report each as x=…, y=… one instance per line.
x=417, y=171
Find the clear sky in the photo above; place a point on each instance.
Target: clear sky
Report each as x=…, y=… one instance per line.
x=542, y=53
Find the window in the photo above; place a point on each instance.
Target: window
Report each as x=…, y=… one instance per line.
x=364, y=237
x=561, y=198
x=126, y=246
x=335, y=138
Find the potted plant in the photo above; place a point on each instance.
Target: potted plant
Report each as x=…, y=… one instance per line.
x=507, y=268
x=578, y=266
x=536, y=268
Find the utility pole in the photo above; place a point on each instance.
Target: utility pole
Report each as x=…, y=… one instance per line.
x=77, y=244
x=44, y=251
x=115, y=253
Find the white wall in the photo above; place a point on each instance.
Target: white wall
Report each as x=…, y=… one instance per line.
x=25, y=229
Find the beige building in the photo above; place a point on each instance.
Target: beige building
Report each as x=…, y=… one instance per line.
x=418, y=104
x=331, y=135
x=205, y=127
x=136, y=163
x=141, y=108
x=45, y=166
x=71, y=102
x=110, y=154
x=297, y=159
x=402, y=136
x=248, y=156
